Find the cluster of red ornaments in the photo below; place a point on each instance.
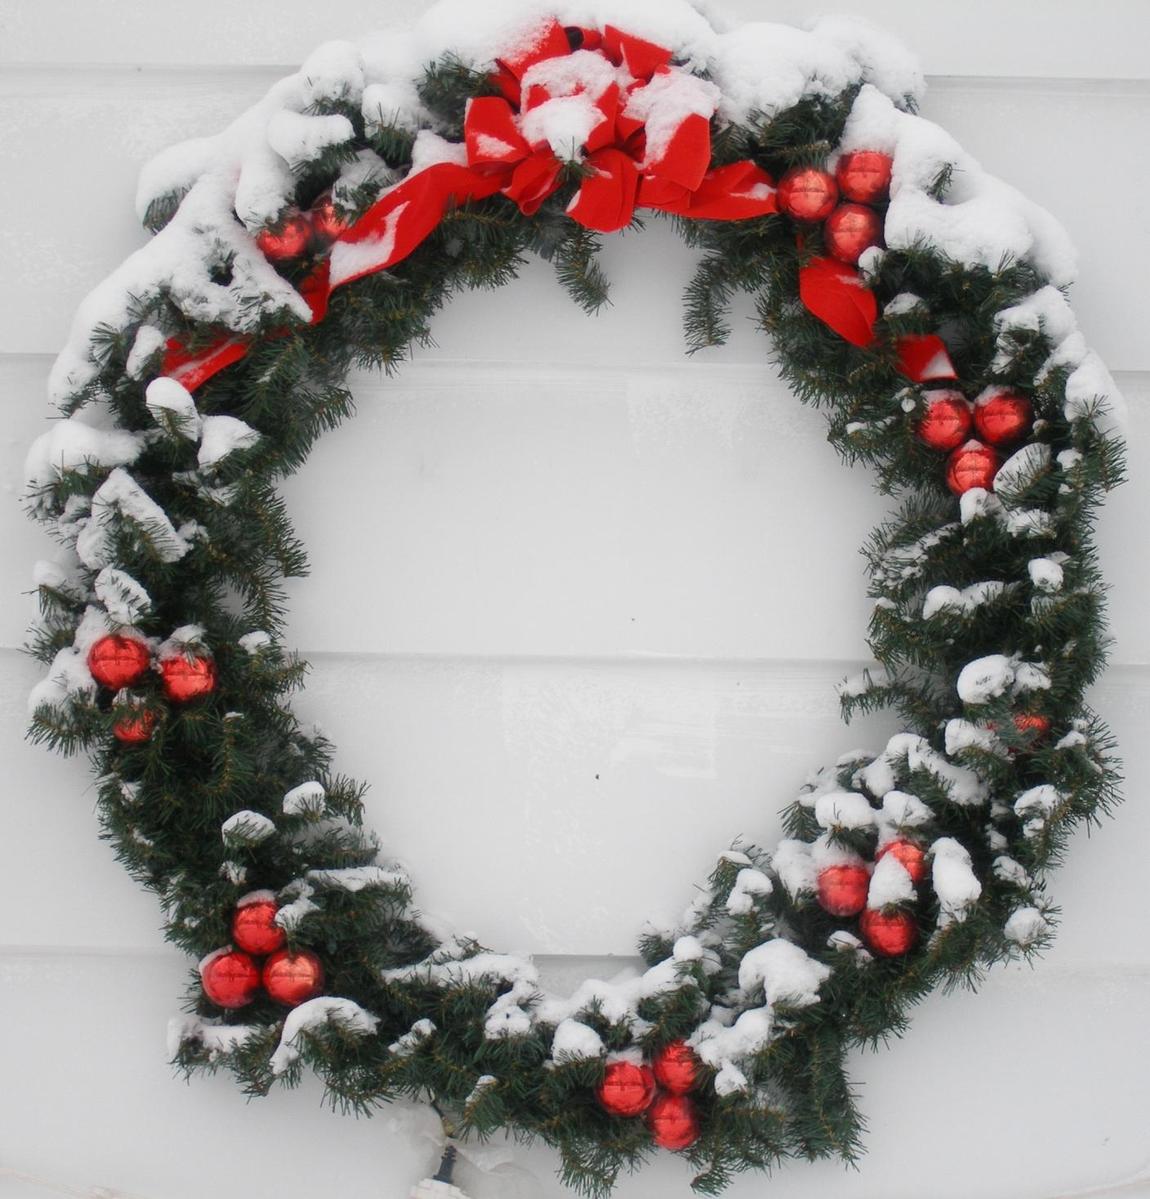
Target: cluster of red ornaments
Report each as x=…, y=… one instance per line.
x=117, y=661
x=842, y=891
x=298, y=232
x=232, y=977
x=1000, y=417
x=846, y=201
x=659, y=1091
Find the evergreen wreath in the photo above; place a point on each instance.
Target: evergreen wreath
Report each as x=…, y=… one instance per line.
x=918, y=300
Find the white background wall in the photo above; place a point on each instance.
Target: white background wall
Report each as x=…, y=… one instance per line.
x=577, y=607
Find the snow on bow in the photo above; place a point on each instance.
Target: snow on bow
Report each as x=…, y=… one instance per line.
x=614, y=104
x=611, y=105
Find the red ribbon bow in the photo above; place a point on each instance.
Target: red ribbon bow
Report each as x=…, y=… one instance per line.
x=497, y=157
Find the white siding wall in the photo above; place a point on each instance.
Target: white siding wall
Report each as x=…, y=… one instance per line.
x=576, y=611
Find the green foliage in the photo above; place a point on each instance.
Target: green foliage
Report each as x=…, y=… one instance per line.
x=162, y=803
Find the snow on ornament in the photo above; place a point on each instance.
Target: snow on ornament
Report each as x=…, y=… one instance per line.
x=539, y=135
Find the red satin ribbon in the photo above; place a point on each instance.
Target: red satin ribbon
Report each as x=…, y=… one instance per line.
x=836, y=294
x=500, y=160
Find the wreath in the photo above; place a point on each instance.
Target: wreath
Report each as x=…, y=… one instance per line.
x=917, y=299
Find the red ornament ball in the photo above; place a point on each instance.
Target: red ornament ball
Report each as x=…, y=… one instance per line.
x=946, y=423
x=864, y=176
x=187, y=677
x=673, y=1122
x=676, y=1068
x=288, y=238
x=1002, y=416
x=627, y=1088
x=909, y=854
x=843, y=889
x=292, y=978
x=850, y=230
x=230, y=978
x=115, y=661
x=807, y=194
x=135, y=726
x=327, y=223
x=971, y=465
x=888, y=934
x=1032, y=724
x=254, y=927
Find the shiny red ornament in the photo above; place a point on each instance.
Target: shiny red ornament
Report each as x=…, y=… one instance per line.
x=676, y=1068
x=135, y=726
x=947, y=421
x=292, y=978
x=288, y=238
x=254, y=927
x=864, y=176
x=807, y=194
x=327, y=222
x=909, y=854
x=627, y=1088
x=230, y=978
x=1003, y=416
x=972, y=465
x=843, y=889
x=888, y=934
x=188, y=677
x=116, y=661
x=1032, y=724
x=673, y=1122
x=850, y=230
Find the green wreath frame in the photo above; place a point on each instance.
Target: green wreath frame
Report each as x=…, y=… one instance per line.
x=1000, y=771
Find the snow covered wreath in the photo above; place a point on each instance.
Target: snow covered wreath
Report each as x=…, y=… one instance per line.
x=917, y=299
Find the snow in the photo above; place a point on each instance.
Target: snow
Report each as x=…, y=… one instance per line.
x=844, y=810
x=218, y=1039
x=792, y=862
x=1025, y=926
x=574, y=1041
x=963, y=786
x=953, y=878
x=123, y=597
x=900, y=810
x=889, y=884
x=867, y=680
x=1035, y=805
x=1022, y=470
x=965, y=602
x=120, y=498
x=292, y=914
x=168, y=401
x=247, y=828
x=1046, y=574
x=749, y=883
x=985, y=679
x=357, y=878
x=665, y=102
x=299, y=139
x=72, y=443
x=730, y=1080
x=1010, y=871
x=787, y=974
x=306, y=799
x=221, y=436
x=252, y=643
x=411, y=1040
x=325, y=1012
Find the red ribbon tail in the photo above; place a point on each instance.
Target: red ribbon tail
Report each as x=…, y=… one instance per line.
x=606, y=200
x=836, y=295
x=732, y=193
x=491, y=135
x=924, y=358
x=192, y=370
